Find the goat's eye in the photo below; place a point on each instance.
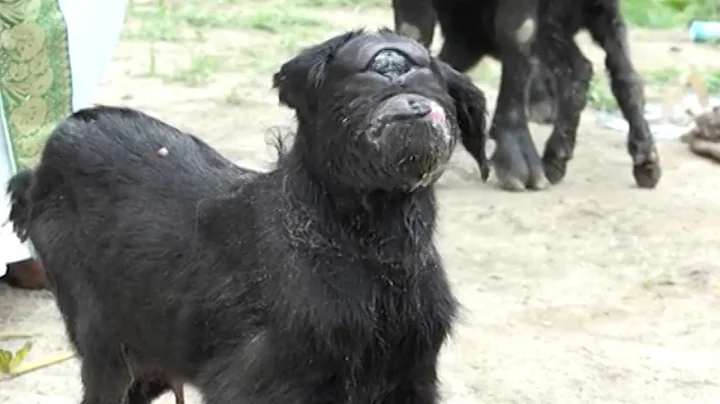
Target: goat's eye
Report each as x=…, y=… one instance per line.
x=390, y=62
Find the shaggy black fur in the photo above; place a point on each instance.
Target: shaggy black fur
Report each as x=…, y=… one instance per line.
x=545, y=76
x=317, y=282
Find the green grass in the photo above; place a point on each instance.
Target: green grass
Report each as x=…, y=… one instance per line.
x=669, y=13
x=659, y=14
x=344, y=3
x=241, y=95
x=276, y=21
x=197, y=72
x=278, y=28
x=712, y=80
x=600, y=96
x=171, y=24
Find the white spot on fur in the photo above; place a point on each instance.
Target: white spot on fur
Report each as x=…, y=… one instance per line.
x=410, y=30
x=526, y=31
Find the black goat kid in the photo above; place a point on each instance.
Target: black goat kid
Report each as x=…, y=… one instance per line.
x=315, y=283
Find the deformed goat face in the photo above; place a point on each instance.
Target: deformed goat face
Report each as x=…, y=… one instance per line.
x=375, y=110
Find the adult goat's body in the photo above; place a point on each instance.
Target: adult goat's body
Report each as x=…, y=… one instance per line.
x=545, y=76
x=315, y=283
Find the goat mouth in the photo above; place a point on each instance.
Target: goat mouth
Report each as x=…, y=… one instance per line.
x=398, y=133
x=433, y=118
x=408, y=106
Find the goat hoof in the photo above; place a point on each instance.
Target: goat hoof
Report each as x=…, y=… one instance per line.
x=647, y=174
x=555, y=169
x=516, y=167
x=646, y=166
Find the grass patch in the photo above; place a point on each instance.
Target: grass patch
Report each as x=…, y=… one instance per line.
x=276, y=21
x=239, y=95
x=600, y=96
x=712, y=81
x=663, y=279
x=197, y=72
x=187, y=21
x=653, y=14
x=152, y=23
x=669, y=13
x=344, y=3
x=656, y=81
x=287, y=29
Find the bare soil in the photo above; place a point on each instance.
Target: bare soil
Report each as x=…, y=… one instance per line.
x=593, y=291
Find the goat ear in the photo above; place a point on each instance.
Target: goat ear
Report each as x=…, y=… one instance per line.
x=471, y=112
x=300, y=78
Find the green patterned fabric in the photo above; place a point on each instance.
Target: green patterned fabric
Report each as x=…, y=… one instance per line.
x=35, y=81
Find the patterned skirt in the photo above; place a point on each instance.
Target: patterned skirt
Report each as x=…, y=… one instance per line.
x=52, y=56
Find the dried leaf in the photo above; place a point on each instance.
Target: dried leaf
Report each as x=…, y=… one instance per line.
x=29, y=366
x=15, y=335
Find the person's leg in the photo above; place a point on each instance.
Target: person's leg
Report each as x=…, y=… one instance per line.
x=93, y=31
x=16, y=265
x=51, y=60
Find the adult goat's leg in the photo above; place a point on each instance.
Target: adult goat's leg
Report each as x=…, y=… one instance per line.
x=416, y=19
x=516, y=162
x=573, y=73
x=609, y=30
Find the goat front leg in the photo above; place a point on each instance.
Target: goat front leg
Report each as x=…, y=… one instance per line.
x=416, y=19
x=516, y=162
x=573, y=73
x=420, y=386
x=609, y=30
x=105, y=379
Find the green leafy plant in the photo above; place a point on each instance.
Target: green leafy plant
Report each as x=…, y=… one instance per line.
x=9, y=361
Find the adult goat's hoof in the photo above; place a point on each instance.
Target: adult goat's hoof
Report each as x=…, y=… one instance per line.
x=646, y=168
x=648, y=174
x=517, y=165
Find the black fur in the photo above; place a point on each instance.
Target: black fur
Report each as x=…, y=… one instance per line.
x=545, y=78
x=317, y=282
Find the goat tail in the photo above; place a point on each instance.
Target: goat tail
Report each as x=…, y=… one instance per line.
x=20, y=202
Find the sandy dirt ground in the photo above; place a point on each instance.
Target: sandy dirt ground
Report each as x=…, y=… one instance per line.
x=590, y=292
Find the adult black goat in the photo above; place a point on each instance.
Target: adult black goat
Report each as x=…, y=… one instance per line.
x=545, y=76
x=317, y=282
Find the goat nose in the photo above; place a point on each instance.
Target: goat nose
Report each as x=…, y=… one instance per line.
x=419, y=107
x=430, y=110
